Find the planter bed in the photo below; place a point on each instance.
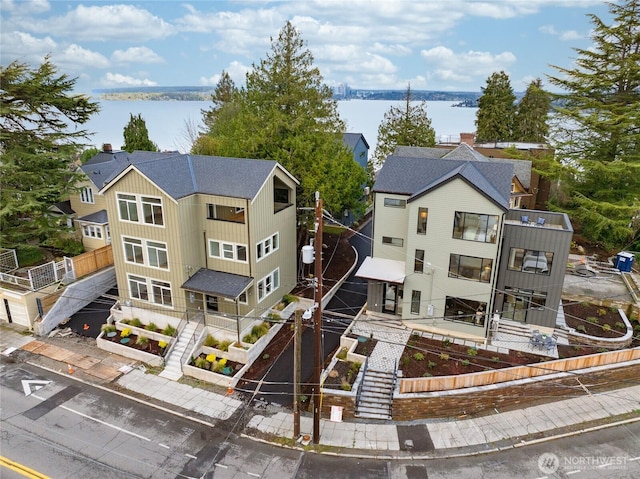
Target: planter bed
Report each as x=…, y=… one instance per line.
x=234, y=372
x=154, y=335
x=149, y=354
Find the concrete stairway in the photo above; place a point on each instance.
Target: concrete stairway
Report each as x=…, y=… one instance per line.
x=173, y=368
x=376, y=396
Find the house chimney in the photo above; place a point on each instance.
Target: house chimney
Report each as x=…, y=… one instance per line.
x=468, y=138
x=106, y=147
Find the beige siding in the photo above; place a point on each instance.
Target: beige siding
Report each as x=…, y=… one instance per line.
x=84, y=209
x=391, y=222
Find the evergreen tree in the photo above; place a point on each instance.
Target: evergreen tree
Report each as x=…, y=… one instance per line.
x=38, y=139
x=136, y=135
x=222, y=95
x=408, y=125
x=598, y=129
x=496, y=110
x=287, y=114
x=532, y=114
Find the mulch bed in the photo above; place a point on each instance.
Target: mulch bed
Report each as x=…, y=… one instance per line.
x=593, y=318
x=151, y=347
x=232, y=365
x=365, y=348
x=342, y=376
x=440, y=359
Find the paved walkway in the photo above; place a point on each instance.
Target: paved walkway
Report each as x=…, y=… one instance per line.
x=380, y=439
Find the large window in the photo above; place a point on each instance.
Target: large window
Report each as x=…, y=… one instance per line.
x=156, y=252
x=392, y=241
x=470, y=267
x=518, y=302
x=127, y=207
x=161, y=292
x=86, y=195
x=131, y=207
x=418, y=264
x=268, y=284
x=225, y=213
x=465, y=311
x=475, y=227
x=395, y=202
x=228, y=251
x=133, y=250
x=530, y=261
x=91, y=231
x=423, y=214
x=267, y=246
x=140, y=286
x=415, y=301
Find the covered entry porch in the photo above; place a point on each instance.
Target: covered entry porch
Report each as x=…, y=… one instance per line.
x=385, y=290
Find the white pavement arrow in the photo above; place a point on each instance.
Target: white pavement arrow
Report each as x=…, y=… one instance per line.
x=31, y=385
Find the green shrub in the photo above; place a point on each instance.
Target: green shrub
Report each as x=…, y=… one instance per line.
x=580, y=328
x=431, y=364
x=418, y=356
x=169, y=330
x=142, y=340
x=66, y=246
x=108, y=328
x=602, y=312
x=405, y=360
x=355, y=366
x=136, y=322
x=593, y=320
x=265, y=356
x=464, y=362
x=606, y=327
x=218, y=366
x=260, y=330
x=444, y=356
x=224, y=345
x=29, y=255
x=274, y=317
x=342, y=354
x=427, y=375
x=636, y=328
x=125, y=321
x=201, y=363
x=151, y=327
x=211, y=342
x=602, y=350
x=249, y=338
x=619, y=325
x=472, y=352
x=495, y=359
x=287, y=299
x=346, y=387
x=447, y=342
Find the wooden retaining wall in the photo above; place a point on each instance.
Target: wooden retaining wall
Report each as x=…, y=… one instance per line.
x=92, y=261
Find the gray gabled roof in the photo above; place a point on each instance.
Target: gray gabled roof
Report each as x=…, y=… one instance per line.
x=415, y=177
x=465, y=152
x=99, y=217
x=351, y=140
x=217, y=283
x=420, y=152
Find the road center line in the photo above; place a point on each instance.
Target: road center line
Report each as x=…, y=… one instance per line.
x=164, y=445
x=112, y=426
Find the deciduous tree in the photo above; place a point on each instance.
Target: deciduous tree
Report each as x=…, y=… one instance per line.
x=597, y=129
x=136, y=135
x=41, y=132
x=496, y=110
x=408, y=125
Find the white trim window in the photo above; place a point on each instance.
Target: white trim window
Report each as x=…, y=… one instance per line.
x=267, y=246
x=156, y=256
x=228, y=251
x=92, y=231
x=86, y=195
x=133, y=250
x=133, y=207
x=268, y=284
x=139, y=288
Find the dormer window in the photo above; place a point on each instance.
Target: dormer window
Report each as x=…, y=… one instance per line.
x=86, y=195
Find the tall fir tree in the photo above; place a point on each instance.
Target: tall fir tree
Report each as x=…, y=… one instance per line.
x=496, y=110
x=41, y=130
x=408, y=125
x=597, y=130
x=287, y=114
x=222, y=95
x=136, y=135
x=532, y=115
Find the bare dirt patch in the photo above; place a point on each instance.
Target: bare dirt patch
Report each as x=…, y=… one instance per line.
x=594, y=320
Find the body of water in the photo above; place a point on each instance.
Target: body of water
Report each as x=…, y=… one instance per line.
x=167, y=120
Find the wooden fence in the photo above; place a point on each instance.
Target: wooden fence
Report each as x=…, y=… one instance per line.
x=92, y=261
x=484, y=378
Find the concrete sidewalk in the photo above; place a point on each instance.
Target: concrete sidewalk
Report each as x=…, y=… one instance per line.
x=426, y=438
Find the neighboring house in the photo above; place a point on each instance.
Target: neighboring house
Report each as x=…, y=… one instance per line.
x=357, y=143
x=439, y=234
x=201, y=234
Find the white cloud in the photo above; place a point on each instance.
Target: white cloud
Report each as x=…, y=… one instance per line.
x=21, y=45
x=136, y=55
x=236, y=70
x=75, y=55
x=104, y=22
x=570, y=35
x=118, y=80
x=22, y=7
x=471, y=66
x=548, y=29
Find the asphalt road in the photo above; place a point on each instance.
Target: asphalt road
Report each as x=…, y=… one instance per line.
x=277, y=387
x=88, y=320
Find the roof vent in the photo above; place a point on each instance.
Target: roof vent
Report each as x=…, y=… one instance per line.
x=106, y=147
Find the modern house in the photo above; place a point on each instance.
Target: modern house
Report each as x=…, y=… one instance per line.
x=442, y=234
x=199, y=234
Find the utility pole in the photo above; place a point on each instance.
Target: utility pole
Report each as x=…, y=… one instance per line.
x=297, y=356
x=317, y=321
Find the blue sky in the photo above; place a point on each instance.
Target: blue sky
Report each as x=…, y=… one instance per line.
x=369, y=44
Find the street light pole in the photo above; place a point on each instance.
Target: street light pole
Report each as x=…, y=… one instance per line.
x=317, y=321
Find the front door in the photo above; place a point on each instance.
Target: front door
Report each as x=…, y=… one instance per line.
x=390, y=300
x=514, y=307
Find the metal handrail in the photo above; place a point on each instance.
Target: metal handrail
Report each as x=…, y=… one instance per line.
x=181, y=325
x=194, y=337
x=393, y=384
x=364, y=373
